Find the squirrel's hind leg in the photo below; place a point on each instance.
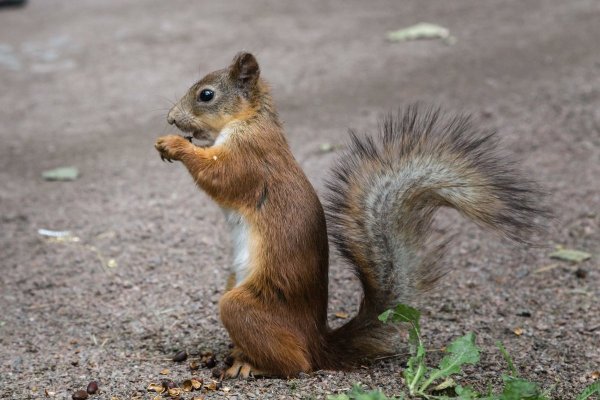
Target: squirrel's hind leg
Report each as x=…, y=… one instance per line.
x=263, y=340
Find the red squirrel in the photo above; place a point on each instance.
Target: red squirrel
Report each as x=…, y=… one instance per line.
x=383, y=194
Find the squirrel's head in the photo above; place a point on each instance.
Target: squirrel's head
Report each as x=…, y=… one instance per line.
x=223, y=97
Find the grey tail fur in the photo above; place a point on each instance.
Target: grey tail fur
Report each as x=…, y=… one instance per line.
x=383, y=196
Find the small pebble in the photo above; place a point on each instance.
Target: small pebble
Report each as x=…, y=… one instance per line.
x=524, y=313
x=217, y=372
x=168, y=384
x=181, y=356
x=581, y=273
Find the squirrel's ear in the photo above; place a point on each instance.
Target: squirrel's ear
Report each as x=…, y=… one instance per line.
x=244, y=70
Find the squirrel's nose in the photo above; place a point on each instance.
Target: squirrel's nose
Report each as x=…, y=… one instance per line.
x=170, y=119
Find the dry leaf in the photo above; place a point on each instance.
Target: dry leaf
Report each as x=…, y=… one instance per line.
x=545, y=268
x=518, y=331
x=61, y=174
x=574, y=256
x=421, y=30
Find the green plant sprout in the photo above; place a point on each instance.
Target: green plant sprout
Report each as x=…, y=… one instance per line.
x=419, y=377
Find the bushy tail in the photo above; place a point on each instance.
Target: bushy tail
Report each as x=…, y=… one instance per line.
x=382, y=199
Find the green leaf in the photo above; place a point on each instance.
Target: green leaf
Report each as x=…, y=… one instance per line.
x=415, y=369
x=520, y=389
x=508, y=359
x=384, y=316
x=466, y=393
x=404, y=313
x=448, y=383
x=592, y=389
x=575, y=256
x=461, y=351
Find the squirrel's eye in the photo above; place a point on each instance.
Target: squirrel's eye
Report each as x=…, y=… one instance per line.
x=206, y=95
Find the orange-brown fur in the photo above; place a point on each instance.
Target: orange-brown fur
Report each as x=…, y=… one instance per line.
x=277, y=314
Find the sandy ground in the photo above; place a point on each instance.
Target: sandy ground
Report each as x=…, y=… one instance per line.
x=88, y=83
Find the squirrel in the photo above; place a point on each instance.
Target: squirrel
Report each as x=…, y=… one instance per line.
x=382, y=197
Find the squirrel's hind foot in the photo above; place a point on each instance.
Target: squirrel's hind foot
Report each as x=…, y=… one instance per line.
x=243, y=370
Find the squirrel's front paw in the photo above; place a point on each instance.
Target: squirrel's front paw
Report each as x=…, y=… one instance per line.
x=171, y=147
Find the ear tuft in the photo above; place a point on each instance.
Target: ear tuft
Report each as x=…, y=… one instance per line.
x=244, y=70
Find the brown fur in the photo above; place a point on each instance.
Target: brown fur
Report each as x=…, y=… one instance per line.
x=277, y=315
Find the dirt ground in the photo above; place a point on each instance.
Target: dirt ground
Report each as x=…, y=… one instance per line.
x=88, y=83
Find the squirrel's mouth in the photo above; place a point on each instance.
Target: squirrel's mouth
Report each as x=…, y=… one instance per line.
x=200, y=138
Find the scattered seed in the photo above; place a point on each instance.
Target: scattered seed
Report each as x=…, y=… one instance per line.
x=168, y=384
x=92, y=387
x=595, y=375
x=175, y=392
x=341, y=315
x=194, y=365
x=155, y=387
x=165, y=371
x=209, y=362
x=80, y=395
x=197, y=384
x=518, y=331
x=181, y=356
x=187, y=385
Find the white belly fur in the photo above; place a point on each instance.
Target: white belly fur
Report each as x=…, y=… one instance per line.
x=240, y=240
